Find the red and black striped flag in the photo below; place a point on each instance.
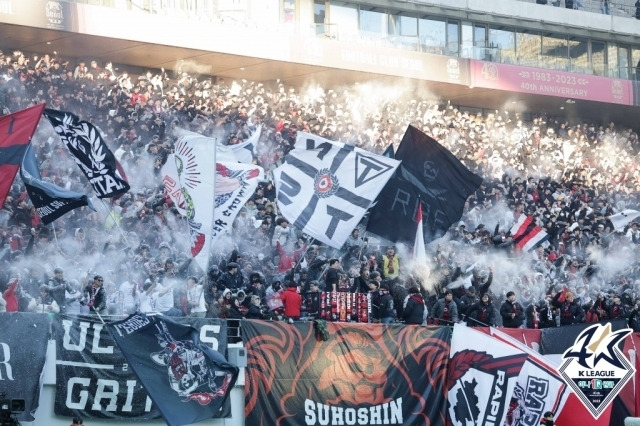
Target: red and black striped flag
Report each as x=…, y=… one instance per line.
x=16, y=130
x=526, y=234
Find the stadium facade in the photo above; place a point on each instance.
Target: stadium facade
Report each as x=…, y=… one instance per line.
x=499, y=54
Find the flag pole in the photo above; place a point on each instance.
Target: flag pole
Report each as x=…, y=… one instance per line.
x=113, y=217
x=55, y=236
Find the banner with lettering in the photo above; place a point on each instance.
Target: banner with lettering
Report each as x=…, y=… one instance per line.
x=363, y=374
x=94, y=379
x=21, y=365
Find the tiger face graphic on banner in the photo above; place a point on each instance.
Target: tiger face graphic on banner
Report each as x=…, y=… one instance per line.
x=364, y=374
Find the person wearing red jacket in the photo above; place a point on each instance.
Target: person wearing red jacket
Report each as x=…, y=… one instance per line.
x=11, y=296
x=292, y=302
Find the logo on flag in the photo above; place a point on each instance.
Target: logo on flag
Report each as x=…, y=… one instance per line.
x=189, y=374
x=595, y=368
x=85, y=144
x=482, y=376
x=325, y=188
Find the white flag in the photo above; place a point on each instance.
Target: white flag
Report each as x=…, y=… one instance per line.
x=419, y=251
x=620, y=220
x=324, y=188
x=244, y=151
x=193, y=158
x=235, y=183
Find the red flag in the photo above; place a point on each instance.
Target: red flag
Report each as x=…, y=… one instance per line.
x=16, y=130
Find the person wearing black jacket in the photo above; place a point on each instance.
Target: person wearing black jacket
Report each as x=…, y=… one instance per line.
x=512, y=312
x=97, y=296
x=386, y=310
x=482, y=313
x=414, y=310
x=232, y=279
x=570, y=310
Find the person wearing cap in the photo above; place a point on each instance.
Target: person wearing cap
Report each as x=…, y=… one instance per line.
x=232, y=279
x=512, y=312
x=445, y=310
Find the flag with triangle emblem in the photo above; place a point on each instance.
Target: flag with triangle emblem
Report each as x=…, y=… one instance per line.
x=324, y=188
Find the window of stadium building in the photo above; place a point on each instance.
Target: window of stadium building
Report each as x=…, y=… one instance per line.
x=598, y=57
x=373, y=23
x=403, y=31
x=579, y=54
x=345, y=18
x=555, y=51
x=433, y=34
x=529, y=46
x=503, y=38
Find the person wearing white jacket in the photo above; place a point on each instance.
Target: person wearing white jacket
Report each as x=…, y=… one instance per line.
x=195, y=298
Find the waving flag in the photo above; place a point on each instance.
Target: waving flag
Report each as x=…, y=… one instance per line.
x=539, y=387
x=85, y=144
x=324, y=188
x=235, y=184
x=187, y=380
x=194, y=157
x=620, y=220
x=244, y=151
x=431, y=174
x=17, y=130
x=419, y=251
x=526, y=234
x=50, y=200
x=482, y=375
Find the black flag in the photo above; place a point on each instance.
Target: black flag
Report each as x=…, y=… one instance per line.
x=429, y=173
x=84, y=142
x=50, y=200
x=187, y=380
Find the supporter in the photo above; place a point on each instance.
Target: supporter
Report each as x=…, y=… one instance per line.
x=45, y=303
x=511, y=311
x=195, y=298
x=387, y=313
x=391, y=263
x=445, y=310
x=414, y=310
x=292, y=302
x=482, y=313
x=138, y=115
x=96, y=296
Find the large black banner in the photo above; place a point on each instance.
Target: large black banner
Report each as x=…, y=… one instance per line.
x=93, y=378
x=364, y=374
x=21, y=364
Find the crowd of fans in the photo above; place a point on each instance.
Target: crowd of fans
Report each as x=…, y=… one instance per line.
x=131, y=255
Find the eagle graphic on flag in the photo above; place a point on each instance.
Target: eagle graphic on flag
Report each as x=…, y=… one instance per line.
x=324, y=188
